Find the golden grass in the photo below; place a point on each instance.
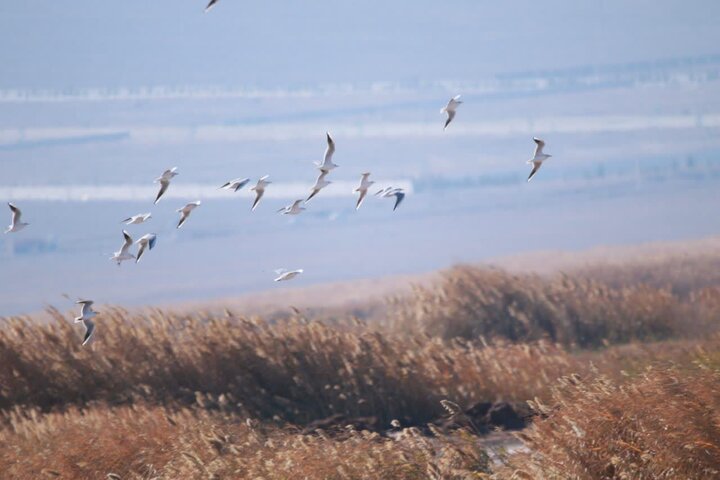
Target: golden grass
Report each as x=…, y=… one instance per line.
x=571, y=309
x=662, y=425
x=151, y=443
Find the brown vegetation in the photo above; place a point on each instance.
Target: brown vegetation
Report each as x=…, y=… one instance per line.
x=470, y=302
x=161, y=395
x=663, y=425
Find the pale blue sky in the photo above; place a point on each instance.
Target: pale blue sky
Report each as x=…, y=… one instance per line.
x=48, y=43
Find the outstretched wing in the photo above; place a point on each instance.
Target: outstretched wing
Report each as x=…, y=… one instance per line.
x=164, y=184
x=536, y=167
x=259, y=192
x=210, y=5
x=539, y=147
x=184, y=214
x=330, y=150
x=128, y=243
x=89, y=330
x=399, y=196
x=16, y=213
x=363, y=193
x=451, y=115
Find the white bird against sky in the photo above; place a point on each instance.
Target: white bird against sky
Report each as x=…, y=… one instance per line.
x=86, y=316
x=450, y=109
x=164, y=181
x=15, y=224
x=320, y=183
x=137, y=219
x=294, y=209
x=124, y=252
x=285, y=275
x=210, y=5
x=327, y=163
x=259, y=190
x=185, y=212
x=146, y=242
x=365, y=183
x=538, y=158
x=236, y=184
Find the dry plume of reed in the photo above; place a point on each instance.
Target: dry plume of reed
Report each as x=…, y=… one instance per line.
x=296, y=370
x=571, y=309
x=143, y=443
x=664, y=424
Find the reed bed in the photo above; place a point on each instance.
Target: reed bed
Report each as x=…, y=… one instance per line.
x=571, y=309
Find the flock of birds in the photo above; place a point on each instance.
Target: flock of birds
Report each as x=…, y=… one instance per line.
x=148, y=241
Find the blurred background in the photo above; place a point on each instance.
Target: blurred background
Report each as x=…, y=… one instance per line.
x=97, y=99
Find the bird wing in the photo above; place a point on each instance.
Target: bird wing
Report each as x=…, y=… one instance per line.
x=16, y=213
x=86, y=307
x=536, y=167
x=451, y=115
x=164, y=184
x=313, y=192
x=329, y=150
x=539, y=147
x=226, y=185
x=128, y=243
x=399, y=196
x=210, y=5
x=259, y=192
x=363, y=193
x=241, y=183
x=184, y=214
x=89, y=330
x=141, y=250
x=152, y=240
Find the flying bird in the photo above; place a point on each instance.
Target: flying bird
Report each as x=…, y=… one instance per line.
x=210, y=5
x=294, y=209
x=285, y=275
x=185, y=212
x=259, y=189
x=320, y=183
x=327, y=163
x=450, y=109
x=124, y=252
x=137, y=219
x=146, y=242
x=363, y=188
x=15, y=224
x=164, y=181
x=236, y=184
x=538, y=158
x=86, y=316
x=388, y=192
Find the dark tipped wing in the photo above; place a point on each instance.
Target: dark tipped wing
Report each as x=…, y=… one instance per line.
x=258, y=195
x=399, y=196
x=536, y=167
x=210, y=5
x=164, y=184
x=89, y=330
x=16, y=213
x=451, y=115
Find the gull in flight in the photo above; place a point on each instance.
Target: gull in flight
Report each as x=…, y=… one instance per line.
x=363, y=188
x=164, y=181
x=320, y=183
x=210, y=5
x=15, y=224
x=294, y=209
x=124, y=252
x=137, y=219
x=185, y=212
x=450, y=109
x=327, y=163
x=146, y=242
x=388, y=192
x=284, y=275
x=236, y=184
x=86, y=316
x=259, y=190
x=538, y=158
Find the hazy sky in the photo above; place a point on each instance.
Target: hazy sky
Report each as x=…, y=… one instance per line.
x=50, y=43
